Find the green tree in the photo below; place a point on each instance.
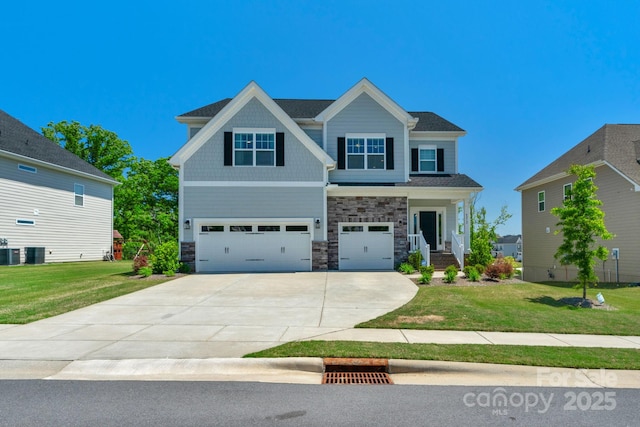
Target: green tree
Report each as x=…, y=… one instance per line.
x=483, y=234
x=581, y=224
x=99, y=147
x=146, y=203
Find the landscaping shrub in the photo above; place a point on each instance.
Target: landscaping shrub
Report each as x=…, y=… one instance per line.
x=427, y=269
x=500, y=269
x=140, y=262
x=415, y=259
x=406, y=268
x=450, y=274
x=184, y=268
x=145, y=271
x=472, y=274
x=480, y=268
x=425, y=279
x=165, y=258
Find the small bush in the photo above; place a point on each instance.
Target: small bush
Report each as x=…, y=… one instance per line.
x=406, y=268
x=415, y=259
x=165, y=258
x=140, y=262
x=184, y=268
x=500, y=269
x=450, y=274
x=425, y=279
x=472, y=274
x=427, y=269
x=169, y=273
x=145, y=271
x=480, y=268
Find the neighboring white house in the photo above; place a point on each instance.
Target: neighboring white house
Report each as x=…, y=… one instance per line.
x=509, y=245
x=51, y=199
x=305, y=184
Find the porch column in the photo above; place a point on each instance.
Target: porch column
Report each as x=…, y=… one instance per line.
x=467, y=225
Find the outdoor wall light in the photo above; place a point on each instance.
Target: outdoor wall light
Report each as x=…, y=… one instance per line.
x=317, y=222
x=187, y=224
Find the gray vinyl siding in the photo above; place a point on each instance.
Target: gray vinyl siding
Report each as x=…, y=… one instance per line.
x=315, y=134
x=365, y=115
x=449, y=152
x=621, y=206
x=259, y=202
x=207, y=164
x=68, y=232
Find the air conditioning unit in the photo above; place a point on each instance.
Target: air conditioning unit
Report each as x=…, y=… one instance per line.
x=9, y=256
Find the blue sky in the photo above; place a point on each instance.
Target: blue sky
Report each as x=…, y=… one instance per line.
x=527, y=80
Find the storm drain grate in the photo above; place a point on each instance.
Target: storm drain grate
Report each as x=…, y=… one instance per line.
x=356, y=378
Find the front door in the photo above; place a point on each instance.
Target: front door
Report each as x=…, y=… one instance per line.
x=428, y=227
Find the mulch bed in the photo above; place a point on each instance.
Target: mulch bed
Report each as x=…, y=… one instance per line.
x=463, y=281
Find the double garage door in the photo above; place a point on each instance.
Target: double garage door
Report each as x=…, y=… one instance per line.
x=253, y=246
x=366, y=246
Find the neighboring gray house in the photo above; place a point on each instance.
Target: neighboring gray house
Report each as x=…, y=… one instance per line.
x=509, y=245
x=299, y=185
x=614, y=151
x=51, y=198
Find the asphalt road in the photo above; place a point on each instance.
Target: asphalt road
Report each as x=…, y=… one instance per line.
x=138, y=403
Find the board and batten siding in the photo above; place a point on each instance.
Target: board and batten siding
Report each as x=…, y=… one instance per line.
x=449, y=148
x=253, y=202
x=67, y=232
x=621, y=206
x=365, y=115
x=207, y=163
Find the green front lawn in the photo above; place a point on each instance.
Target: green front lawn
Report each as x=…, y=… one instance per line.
x=33, y=292
x=567, y=357
x=520, y=307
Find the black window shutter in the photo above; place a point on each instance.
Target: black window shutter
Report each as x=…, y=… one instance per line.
x=440, y=159
x=279, y=148
x=341, y=152
x=389, y=153
x=228, y=148
x=415, y=167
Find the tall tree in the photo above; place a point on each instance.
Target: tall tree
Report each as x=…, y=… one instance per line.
x=99, y=147
x=581, y=224
x=146, y=203
x=483, y=234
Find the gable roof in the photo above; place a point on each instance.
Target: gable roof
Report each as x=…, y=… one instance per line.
x=615, y=145
x=19, y=140
x=227, y=108
x=311, y=108
x=509, y=238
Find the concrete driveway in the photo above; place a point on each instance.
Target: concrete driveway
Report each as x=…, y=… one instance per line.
x=207, y=316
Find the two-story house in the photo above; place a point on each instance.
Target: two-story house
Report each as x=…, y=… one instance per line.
x=509, y=245
x=614, y=151
x=307, y=184
x=55, y=207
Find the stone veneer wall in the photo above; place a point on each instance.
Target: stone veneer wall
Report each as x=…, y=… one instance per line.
x=188, y=254
x=367, y=209
x=319, y=256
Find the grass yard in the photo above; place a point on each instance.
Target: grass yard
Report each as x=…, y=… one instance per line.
x=33, y=292
x=566, y=357
x=519, y=307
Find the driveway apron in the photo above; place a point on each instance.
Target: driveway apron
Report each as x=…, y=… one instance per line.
x=207, y=316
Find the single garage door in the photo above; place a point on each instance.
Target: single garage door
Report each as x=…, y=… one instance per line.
x=249, y=247
x=366, y=246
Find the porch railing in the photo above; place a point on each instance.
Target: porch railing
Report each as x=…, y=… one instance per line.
x=457, y=247
x=418, y=243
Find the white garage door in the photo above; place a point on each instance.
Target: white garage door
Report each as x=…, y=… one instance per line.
x=366, y=246
x=248, y=247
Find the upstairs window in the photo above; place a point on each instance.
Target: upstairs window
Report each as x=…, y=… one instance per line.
x=428, y=159
x=78, y=189
x=27, y=168
x=365, y=151
x=541, y=201
x=566, y=191
x=254, y=147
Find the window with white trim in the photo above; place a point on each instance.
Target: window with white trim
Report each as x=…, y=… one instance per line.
x=254, y=147
x=428, y=158
x=20, y=221
x=27, y=168
x=541, y=201
x=78, y=189
x=566, y=191
x=365, y=151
